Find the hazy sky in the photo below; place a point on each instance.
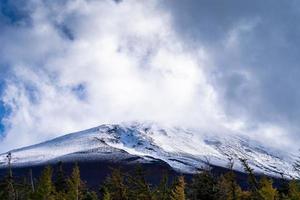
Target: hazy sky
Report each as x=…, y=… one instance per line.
x=219, y=66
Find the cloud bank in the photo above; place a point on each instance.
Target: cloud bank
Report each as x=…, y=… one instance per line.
x=71, y=65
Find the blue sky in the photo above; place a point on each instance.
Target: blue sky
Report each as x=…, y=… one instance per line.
x=70, y=65
x=10, y=14
x=3, y=111
x=2, y=114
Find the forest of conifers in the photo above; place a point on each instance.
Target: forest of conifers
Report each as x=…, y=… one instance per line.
x=120, y=185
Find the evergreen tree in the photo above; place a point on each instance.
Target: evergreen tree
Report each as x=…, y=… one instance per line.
x=45, y=188
x=228, y=189
x=178, y=192
x=106, y=194
x=60, y=180
x=266, y=191
x=283, y=188
x=254, y=186
x=162, y=192
x=294, y=190
x=61, y=196
x=114, y=186
x=60, y=183
x=74, y=183
x=245, y=195
x=203, y=187
x=89, y=195
x=139, y=188
x=117, y=186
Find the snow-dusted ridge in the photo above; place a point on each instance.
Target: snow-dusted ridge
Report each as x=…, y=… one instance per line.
x=184, y=150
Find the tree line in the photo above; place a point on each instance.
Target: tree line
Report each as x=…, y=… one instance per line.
x=120, y=185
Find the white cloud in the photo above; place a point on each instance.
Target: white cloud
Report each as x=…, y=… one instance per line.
x=125, y=63
x=126, y=57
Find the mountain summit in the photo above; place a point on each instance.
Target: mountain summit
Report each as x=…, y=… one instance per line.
x=184, y=150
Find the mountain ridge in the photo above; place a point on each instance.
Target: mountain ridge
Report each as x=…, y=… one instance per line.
x=184, y=150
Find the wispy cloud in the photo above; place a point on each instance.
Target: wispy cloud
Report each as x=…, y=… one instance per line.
x=77, y=64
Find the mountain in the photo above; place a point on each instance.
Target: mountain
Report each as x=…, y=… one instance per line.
x=184, y=150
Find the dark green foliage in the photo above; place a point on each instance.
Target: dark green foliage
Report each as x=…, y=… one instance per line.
x=162, y=192
x=61, y=180
x=254, y=185
x=45, y=189
x=7, y=188
x=115, y=186
x=228, y=189
x=294, y=190
x=10, y=188
x=283, y=189
x=106, y=194
x=140, y=189
x=87, y=195
x=74, y=185
x=203, y=187
x=134, y=186
x=251, y=177
x=23, y=189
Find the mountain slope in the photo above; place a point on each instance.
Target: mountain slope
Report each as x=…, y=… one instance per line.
x=184, y=150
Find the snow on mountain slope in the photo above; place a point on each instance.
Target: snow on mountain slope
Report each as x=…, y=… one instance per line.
x=184, y=150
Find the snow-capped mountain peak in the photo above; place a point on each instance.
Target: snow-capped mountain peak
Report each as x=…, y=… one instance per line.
x=184, y=150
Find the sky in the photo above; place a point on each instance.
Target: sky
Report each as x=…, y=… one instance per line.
x=218, y=66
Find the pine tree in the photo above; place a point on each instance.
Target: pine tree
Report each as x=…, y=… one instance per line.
x=266, y=191
x=245, y=195
x=106, y=194
x=89, y=195
x=45, y=188
x=177, y=192
x=254, y=186
x=139, y=188
x=60, y=196
x=228, y=189
x=203, y=186
x=114, y=186
x=294, y=190
x=283, y=188
x=60, y=180
x=162, y=192
x=74, y=185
